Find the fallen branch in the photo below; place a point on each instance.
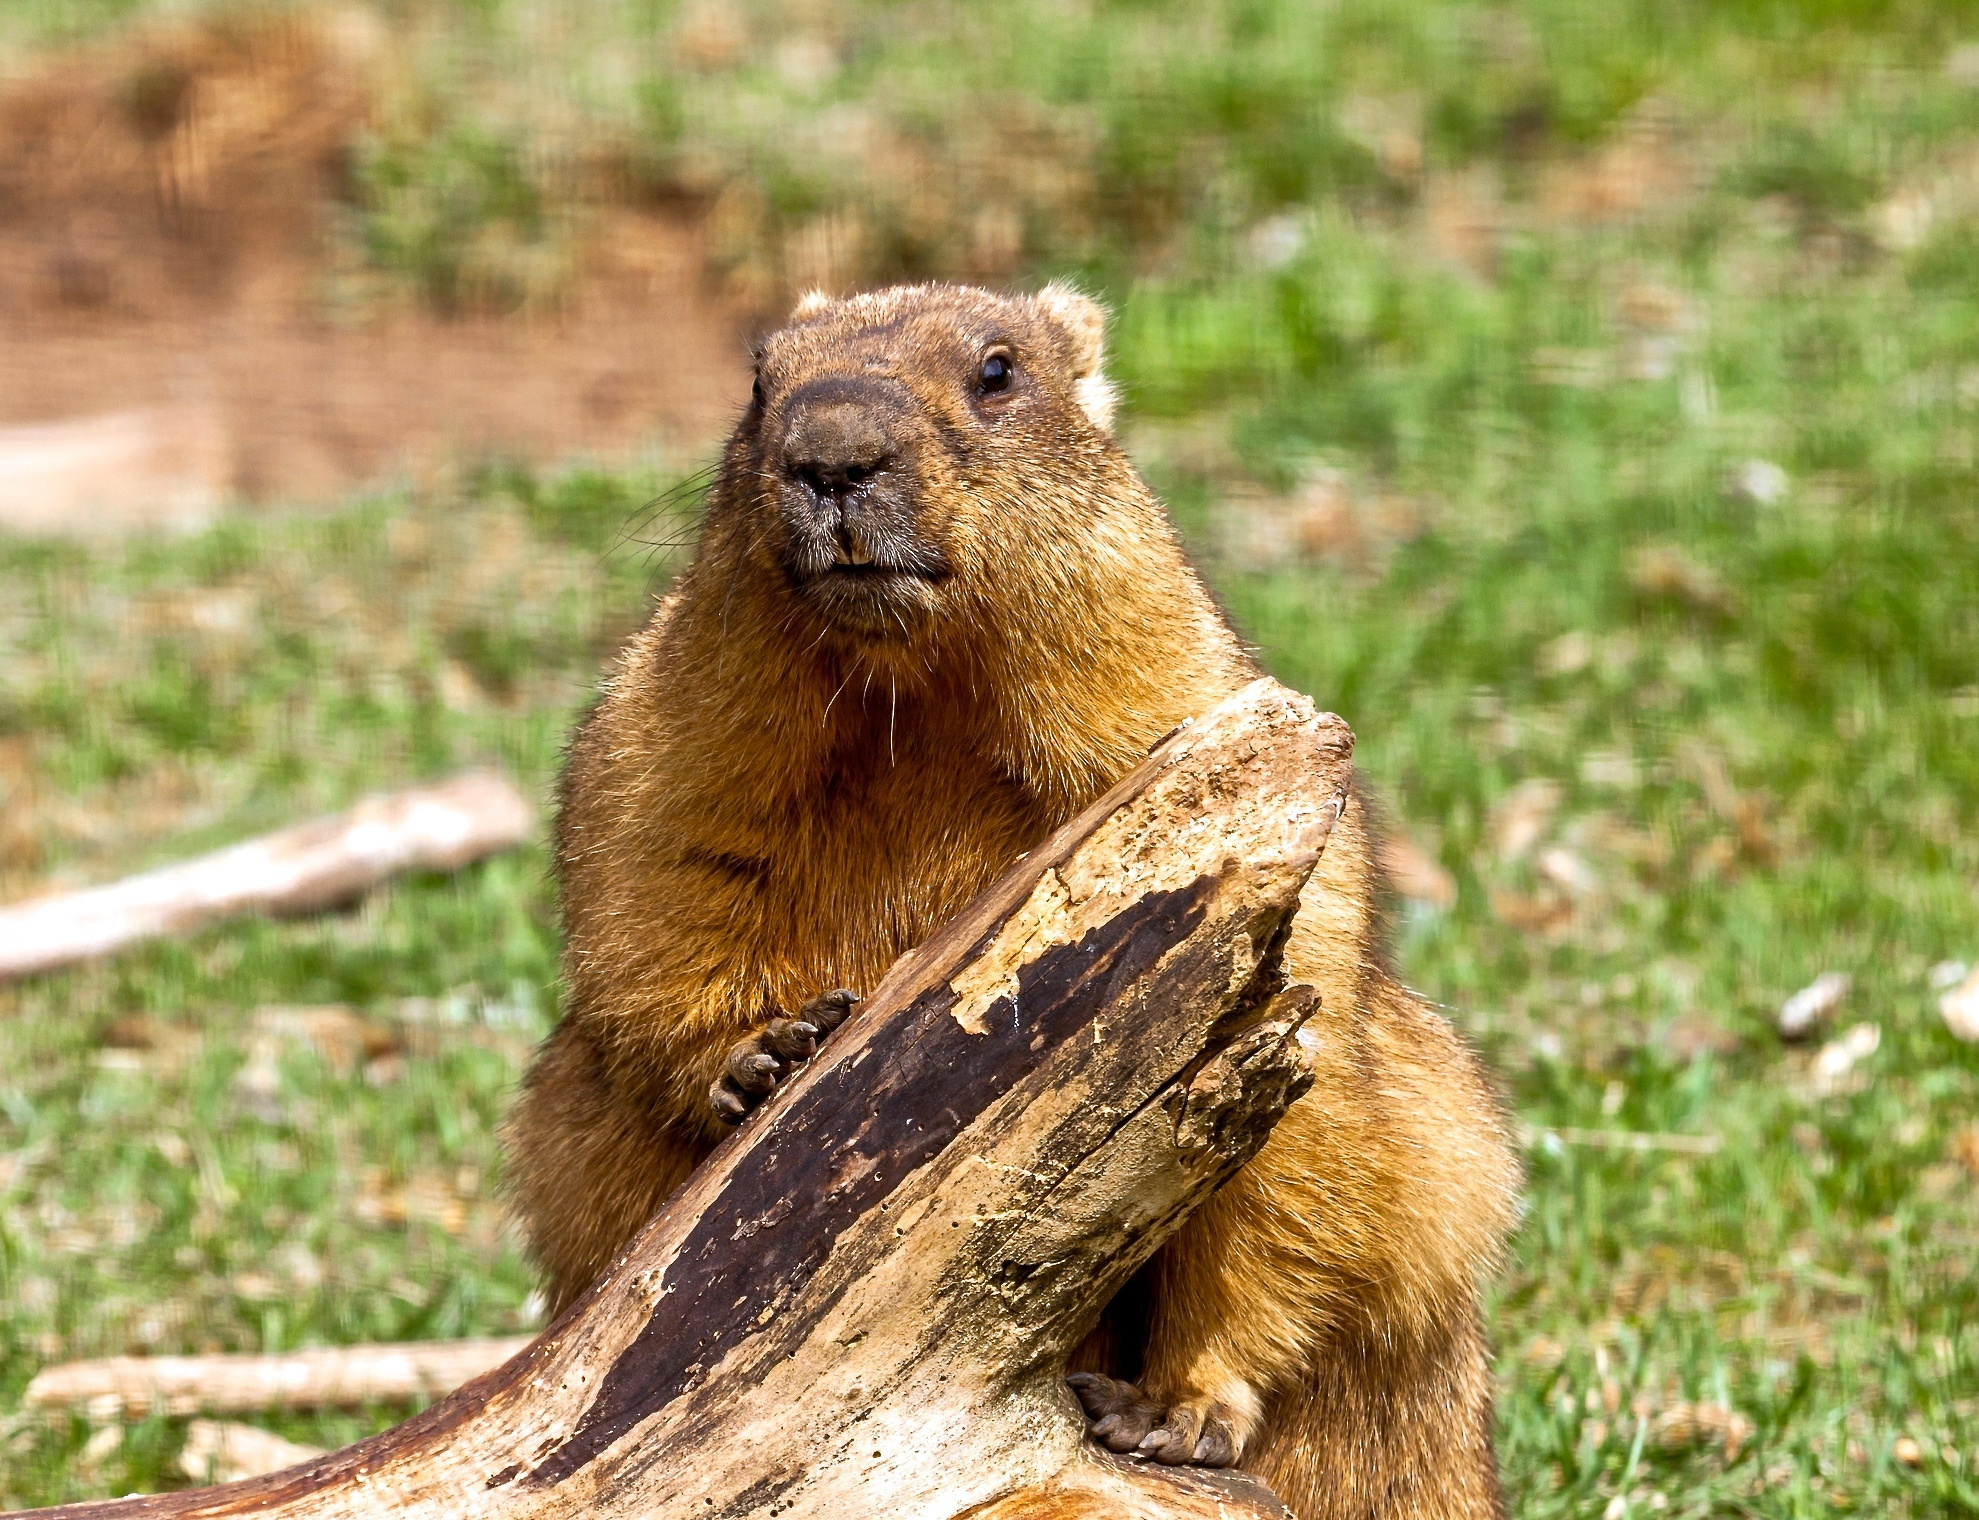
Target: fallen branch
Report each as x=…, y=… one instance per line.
x=126, y=472
x=313, y=866
x=863, y=1302
x=131, y=1387
x=1641, y=1140
x=220, y=1451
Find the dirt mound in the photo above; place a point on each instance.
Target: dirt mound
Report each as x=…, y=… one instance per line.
x=169, y=202
x=153, y=174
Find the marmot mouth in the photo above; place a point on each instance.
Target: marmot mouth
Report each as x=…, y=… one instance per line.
x=872, y=570
x=906, y=573
x=875, y=600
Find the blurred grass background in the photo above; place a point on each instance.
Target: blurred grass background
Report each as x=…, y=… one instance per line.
x=1584, y=401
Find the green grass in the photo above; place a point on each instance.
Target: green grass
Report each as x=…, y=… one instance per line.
x=1760, y=720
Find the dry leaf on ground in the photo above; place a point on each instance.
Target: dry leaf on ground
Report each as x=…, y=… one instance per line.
x=423, y=1198
x=1835, y=1066
x=1521, y=817
x=1568, y=655
x=340, y=1035
x=1324, y=518
x=1645, y=169
x=1960, y=1008
x=1417, y=874
x=1691, y=1035
x=1568, y=871
x=1465, y=219
x=1700, y=1424
x=1539, y=914
x=1665, y=572
x=1745, y=811
x=1965, y=1147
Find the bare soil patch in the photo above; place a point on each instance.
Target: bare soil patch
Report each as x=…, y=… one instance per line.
x=168, y=205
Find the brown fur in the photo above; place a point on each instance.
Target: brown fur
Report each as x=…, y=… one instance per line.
x=794, y=776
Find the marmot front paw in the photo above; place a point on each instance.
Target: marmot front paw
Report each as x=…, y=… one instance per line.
x=756, y=1065
x=1122, y=1418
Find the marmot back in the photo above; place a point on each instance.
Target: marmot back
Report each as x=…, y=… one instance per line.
x=935, y=611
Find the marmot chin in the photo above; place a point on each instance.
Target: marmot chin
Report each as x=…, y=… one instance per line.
x=934, y=612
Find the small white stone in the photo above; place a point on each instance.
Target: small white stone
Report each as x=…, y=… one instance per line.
x=1812, y=1005
x=1960, y=1008
x=1760, y=482
x=1948, y=974
x=1841, y=1056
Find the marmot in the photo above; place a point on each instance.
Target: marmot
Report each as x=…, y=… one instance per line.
x=935, y=611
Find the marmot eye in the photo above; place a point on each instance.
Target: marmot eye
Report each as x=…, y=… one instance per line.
x=756, y=394
x=996, y=374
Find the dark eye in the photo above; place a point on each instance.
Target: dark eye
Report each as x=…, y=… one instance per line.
x=995, y=375
x=756, y=394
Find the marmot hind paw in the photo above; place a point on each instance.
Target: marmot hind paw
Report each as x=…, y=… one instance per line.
x=756, y=1066
x=1193, y=1431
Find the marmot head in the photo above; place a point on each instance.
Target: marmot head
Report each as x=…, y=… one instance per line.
x=915, y=454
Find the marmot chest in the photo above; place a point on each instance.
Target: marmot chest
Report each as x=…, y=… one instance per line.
x=872, y=858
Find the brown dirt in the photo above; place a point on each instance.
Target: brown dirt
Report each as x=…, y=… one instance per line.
x=168, y=202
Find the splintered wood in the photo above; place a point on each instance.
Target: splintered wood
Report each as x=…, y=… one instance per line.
x=310, y=867
x=863, y=1302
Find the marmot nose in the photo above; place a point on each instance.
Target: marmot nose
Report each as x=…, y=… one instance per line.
x=837, y=477
x=836, y=439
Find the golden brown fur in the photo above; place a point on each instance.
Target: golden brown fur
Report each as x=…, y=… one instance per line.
x=802, y=767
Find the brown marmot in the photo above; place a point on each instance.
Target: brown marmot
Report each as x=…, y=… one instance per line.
x=935, y=611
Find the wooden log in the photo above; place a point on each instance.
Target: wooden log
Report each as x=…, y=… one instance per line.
x=313, y=866
x=863, y=1302
x=221, y=1451
x=119, y=1387
x=164, y=470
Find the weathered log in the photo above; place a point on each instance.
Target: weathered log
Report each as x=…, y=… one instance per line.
x=220, y=1451
x=331, y=1377
x=163, y=470
x=863, y=1302
x=312, y=866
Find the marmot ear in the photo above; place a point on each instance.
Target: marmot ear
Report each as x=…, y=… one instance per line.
x=1084, y=322
x=809, y=305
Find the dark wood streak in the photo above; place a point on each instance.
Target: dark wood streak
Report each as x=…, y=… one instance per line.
x=863, y=1132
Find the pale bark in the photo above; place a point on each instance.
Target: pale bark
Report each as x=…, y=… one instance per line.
x=312, y=866
x=863, y=1302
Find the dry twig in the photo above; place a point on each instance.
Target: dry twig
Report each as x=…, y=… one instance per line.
x=299, y=870
x=334, y=1377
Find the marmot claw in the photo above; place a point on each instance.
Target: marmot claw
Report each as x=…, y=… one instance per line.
x=829, y=1009
x=1122, y=1418
x=756, y=1065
